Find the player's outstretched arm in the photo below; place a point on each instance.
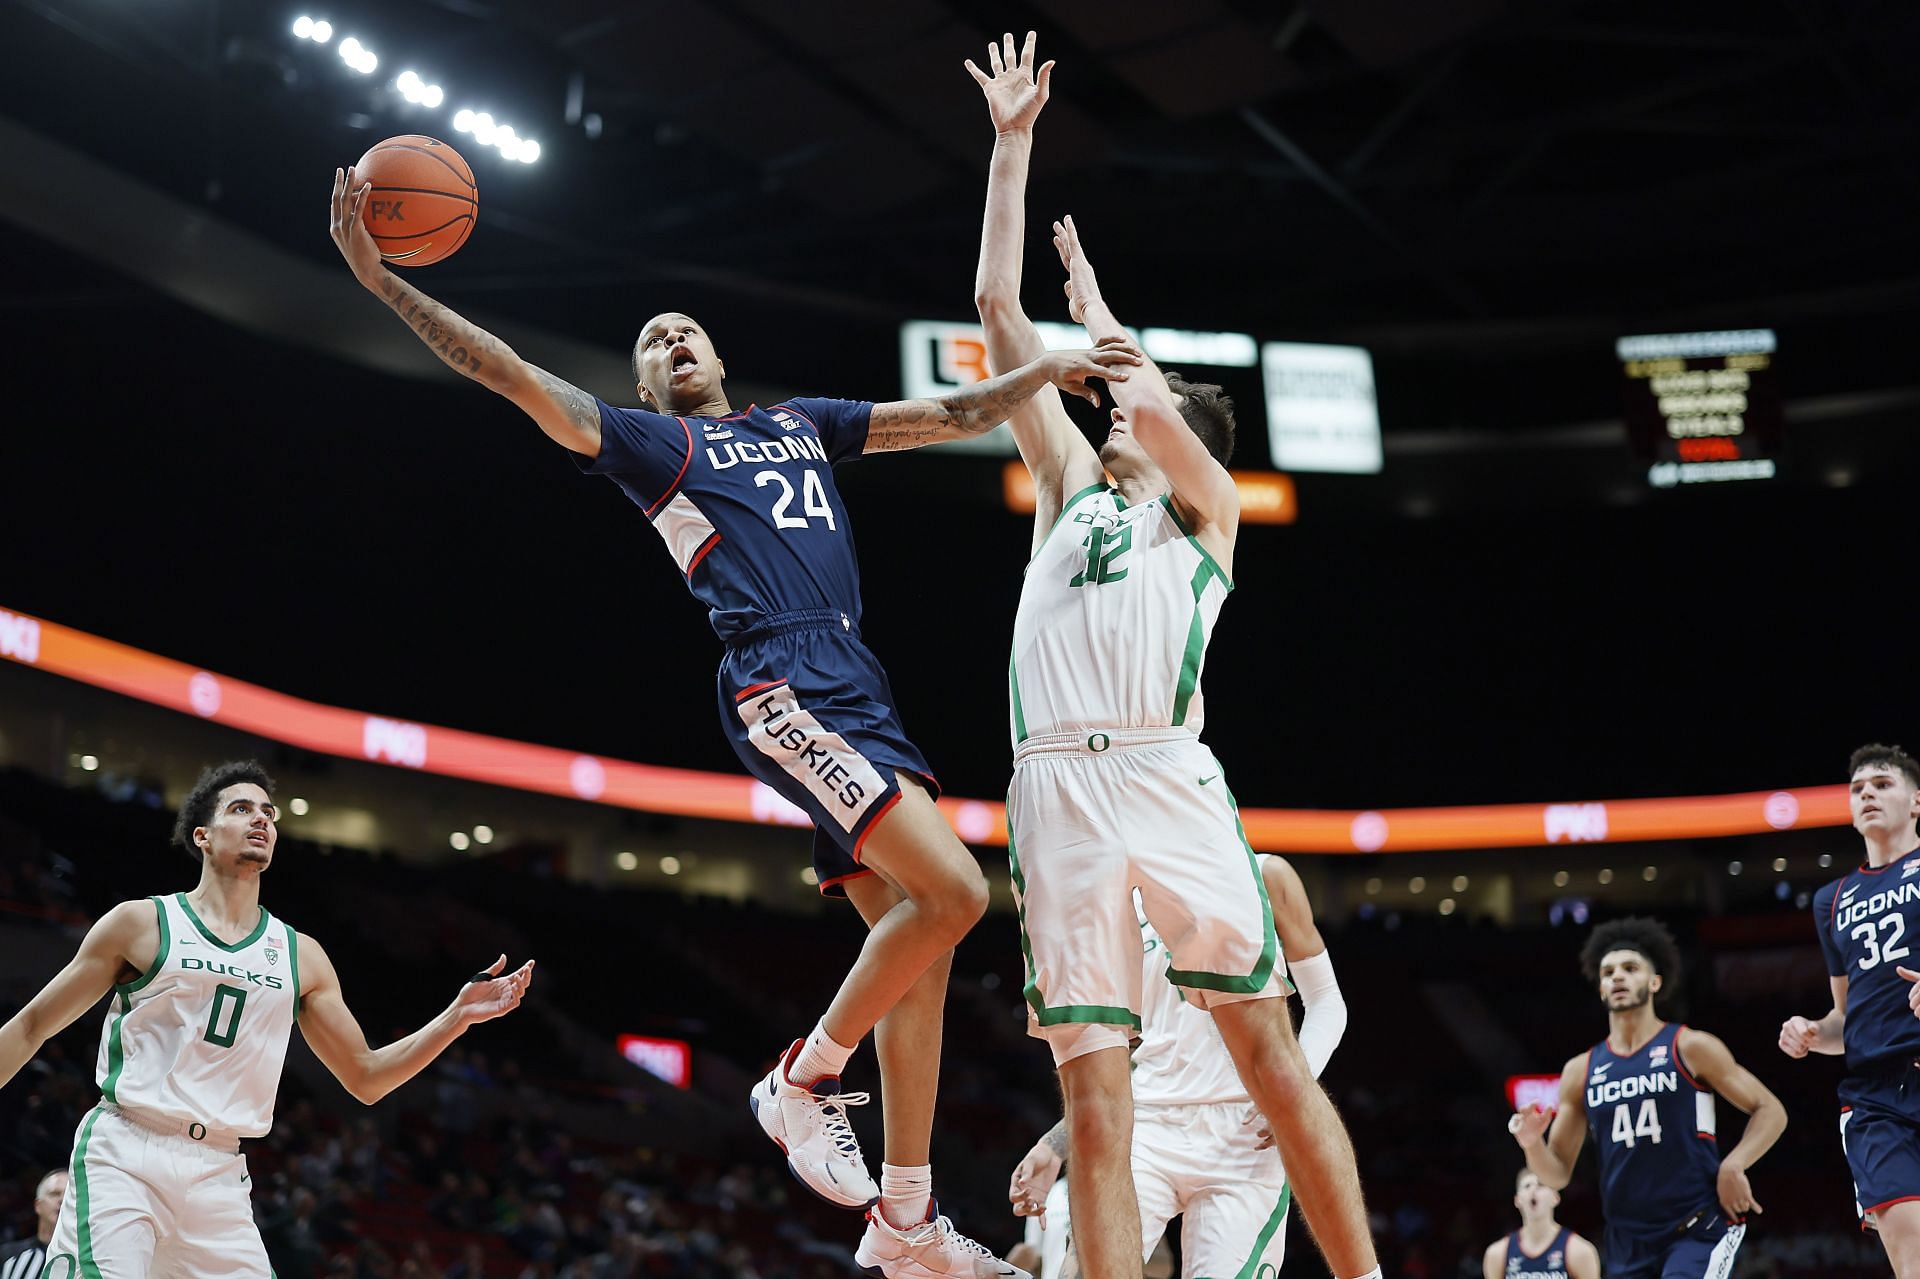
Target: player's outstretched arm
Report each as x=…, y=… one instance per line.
x=977, y=409
x=1061, y=460
x=1308, y=963
x=1709, y=1060
x=1552, y=1139
x=1201, y=486
x=565, y=412
x=1493, y=1262
x=1802, y=1035
x=125, y=938
x=371, y=1073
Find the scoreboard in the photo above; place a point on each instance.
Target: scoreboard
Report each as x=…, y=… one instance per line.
x=1703, y=406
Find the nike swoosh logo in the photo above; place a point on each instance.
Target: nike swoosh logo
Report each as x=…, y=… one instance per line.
x=1214, y=778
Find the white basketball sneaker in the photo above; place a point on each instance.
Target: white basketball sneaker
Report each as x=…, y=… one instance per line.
x=931, y=1250
x=810, y=1124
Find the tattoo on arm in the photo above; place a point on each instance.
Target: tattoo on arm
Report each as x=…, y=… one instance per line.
x=973, y=410
x=1056, y=1138
x=462, y=346
x=580, y=408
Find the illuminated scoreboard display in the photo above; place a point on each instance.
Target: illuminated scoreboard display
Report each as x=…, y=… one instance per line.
x=1703, y=406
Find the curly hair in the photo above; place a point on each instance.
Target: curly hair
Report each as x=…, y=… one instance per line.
x=1648, y=937
x=1875, y=754
x=196, y=809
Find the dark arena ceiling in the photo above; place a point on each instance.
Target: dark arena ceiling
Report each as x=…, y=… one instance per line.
x=1483, y=194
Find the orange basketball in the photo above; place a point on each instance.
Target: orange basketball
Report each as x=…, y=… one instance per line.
x=423, y=203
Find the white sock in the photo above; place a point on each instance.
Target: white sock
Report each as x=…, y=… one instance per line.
x=820, y=1057
x=905, y=1195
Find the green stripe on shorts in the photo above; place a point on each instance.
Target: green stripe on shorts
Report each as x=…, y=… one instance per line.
x=89, y=1268
x=1249, y=1270
x=1060, y=1014
x=1255, y=981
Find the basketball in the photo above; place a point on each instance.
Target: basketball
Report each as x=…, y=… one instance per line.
x=423, y=203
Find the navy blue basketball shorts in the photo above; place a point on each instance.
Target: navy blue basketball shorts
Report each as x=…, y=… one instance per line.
x=1703, y=1248
x=1880, y=1135
x=810, y=713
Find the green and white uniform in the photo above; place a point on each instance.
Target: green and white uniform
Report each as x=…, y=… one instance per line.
x=190, y=1062
x=1196, y=1141
x=1113, y=790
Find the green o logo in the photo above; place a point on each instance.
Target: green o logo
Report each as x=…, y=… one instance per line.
x=1099, y=742
x=73, y=1267
x=197, y=1131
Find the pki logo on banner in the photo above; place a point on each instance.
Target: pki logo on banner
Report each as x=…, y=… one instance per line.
x=19, y=638
x=395, y=742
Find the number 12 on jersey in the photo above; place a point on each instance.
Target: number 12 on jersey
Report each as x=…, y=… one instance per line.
x=1104, y=550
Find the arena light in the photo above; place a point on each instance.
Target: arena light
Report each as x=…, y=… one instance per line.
x=432, y=96
x=322, y=31
x=483, y=834
x=303, y=27
x=463, y=120
x=626, y=861
x=89, y=763
x=358, y=56
x=529, y=151
x=297, y=806
x=669, y=865
x=459, y=841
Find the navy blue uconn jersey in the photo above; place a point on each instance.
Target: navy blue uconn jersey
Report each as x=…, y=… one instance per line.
x=1869, y=924
x=745, y=503
x=1653, y=1126
x=1550, y=1263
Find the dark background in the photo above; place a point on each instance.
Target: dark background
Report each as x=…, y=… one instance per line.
x=1486, y=198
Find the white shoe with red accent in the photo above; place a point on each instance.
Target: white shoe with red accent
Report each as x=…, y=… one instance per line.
x=931, y=1250
x=810, y=1125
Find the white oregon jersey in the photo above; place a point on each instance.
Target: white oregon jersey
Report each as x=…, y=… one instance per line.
x=1181, y=1061
x=1118, y=605
x=201, y=1036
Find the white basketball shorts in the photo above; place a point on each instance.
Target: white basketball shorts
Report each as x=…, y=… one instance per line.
x=1091, y=820
x=142, y=1202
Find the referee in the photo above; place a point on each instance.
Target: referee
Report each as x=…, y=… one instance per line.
x=26, y=1259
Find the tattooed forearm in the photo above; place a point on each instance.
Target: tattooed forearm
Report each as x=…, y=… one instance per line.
x=462, y=346
x=984, y=405
x=581, y=409
x=1056, y=1139
x=973, y=410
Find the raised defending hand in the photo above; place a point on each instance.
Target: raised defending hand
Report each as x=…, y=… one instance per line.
x=490, y=995
x=1032, y=1181
x=1070, y=370
x=1083, y=290
x=1799, y=1036
x=1529, y=1126
x=1014, y=93
x=350, y=233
